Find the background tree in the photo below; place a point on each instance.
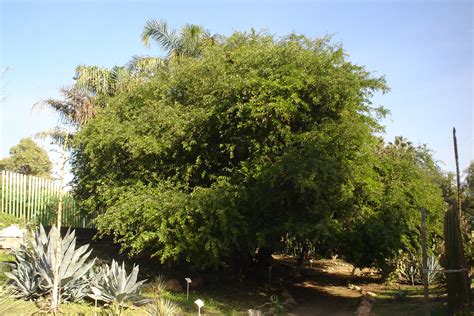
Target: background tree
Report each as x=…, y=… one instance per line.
x=401, y=144
x=27, y=158
x=468, y=189
x=468, y=211
x=408, y=180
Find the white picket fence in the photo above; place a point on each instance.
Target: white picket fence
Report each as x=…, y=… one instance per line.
x=34, y=199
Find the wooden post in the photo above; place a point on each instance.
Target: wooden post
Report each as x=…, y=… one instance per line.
x=56, y=295
x=3, y=191
x=10, y=193
x=426, y=293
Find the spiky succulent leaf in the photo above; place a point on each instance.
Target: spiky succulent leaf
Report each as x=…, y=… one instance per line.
x=162, y=307
x=117, y=287
x=36, y=257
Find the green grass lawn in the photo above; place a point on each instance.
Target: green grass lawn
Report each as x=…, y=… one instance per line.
x=212, y=306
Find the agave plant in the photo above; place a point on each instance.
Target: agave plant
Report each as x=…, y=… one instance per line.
x=116, y=288
x=32, y=275
x=24, y=279
x=162, y=307
x=434, y=269
x=408, y=268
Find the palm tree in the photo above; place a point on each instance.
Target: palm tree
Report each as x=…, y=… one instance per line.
x=76, y=107
x=186, y=43
x=99, y=81
x=401, y=143
x=81, y=102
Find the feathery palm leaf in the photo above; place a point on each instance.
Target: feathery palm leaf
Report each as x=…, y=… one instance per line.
x=401, y=143
x=96, y=80
x=76, y=108
x=188, y=43
x=58, y=136
x=144, y=66
x=159, y=32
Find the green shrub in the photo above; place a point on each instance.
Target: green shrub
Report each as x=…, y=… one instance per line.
x=8, y=220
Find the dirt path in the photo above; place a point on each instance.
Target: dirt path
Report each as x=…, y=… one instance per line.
x=315, y=304
x=323, y=290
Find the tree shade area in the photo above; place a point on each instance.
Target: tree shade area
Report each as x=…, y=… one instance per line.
x=232, y=147
x=27, y=158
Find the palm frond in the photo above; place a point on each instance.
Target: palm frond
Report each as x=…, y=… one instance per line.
x=159, y=31
x=146, y=66
x=96, y=80
x=192, y=39
x=192, y=31
x=59, y=136
x=188, y=43
x=119, y=78
x=76, y=108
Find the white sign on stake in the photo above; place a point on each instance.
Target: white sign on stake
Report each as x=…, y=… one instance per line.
x=97, y=293
x=200, y=304
x=188, y=280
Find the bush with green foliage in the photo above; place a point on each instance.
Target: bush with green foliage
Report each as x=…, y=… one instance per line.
x=255, y=139
x=32, y=274
x=224, y=153
x=8, y=220
x=406, y=180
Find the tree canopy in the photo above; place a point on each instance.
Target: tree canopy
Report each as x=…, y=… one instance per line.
x=27, y=158
x=254, y=140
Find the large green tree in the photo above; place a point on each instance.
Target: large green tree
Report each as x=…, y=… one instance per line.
x=27, y=158
x=226, y=152
x=252, y=140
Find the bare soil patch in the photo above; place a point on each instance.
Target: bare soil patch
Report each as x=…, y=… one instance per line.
x=327, y=287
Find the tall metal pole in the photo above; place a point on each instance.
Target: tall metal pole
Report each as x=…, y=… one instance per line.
x=426, y=293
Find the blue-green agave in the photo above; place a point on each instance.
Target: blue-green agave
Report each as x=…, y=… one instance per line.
x=32, y=275
x=116, y=287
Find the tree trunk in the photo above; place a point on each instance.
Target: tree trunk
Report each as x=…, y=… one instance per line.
x=55, y=301
x=302, y=256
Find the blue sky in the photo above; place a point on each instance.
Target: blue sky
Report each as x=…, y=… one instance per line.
x=423, y=48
